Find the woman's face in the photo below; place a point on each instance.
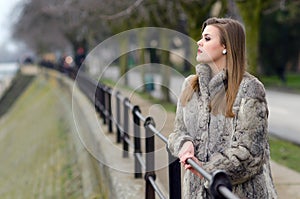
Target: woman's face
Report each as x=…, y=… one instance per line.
x=210, y=48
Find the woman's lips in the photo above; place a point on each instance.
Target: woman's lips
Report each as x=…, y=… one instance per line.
x=199, y=51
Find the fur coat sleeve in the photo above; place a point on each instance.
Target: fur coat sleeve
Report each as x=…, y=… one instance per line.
x=180, y=134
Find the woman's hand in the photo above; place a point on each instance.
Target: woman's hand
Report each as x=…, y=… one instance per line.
x=194, y=171
x=186, y=152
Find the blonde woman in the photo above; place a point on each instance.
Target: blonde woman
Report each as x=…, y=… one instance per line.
x=221, y=117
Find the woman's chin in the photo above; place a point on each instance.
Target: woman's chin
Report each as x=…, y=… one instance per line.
x=202, y=61
x=198, y=59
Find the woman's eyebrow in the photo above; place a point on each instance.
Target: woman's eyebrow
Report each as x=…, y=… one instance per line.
x=206, y=34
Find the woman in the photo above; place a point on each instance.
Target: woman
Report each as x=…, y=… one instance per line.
x=221, y=117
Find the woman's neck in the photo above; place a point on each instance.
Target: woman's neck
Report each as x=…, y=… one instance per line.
x=217, y=66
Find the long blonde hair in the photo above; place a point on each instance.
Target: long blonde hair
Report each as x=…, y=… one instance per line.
x=191, y=87
x=232, y=35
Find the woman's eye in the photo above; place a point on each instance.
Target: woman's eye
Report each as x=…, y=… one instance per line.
x=207, y=38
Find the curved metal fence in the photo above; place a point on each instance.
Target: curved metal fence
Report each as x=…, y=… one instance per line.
x=101, y=95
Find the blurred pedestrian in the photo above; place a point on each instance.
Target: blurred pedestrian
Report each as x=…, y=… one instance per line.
x=79, y=57
x=221, y=117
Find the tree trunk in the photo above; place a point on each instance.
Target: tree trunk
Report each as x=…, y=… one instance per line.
x=251, y=20
x=166, y=72
x=141, y=43
x=123, y=60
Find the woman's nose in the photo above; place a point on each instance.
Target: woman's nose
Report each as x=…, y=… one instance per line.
x=199, y=43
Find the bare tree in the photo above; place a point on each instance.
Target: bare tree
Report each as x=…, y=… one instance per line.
x=37, y=28
x=51, y=25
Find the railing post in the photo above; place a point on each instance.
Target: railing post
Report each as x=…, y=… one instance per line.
x=150, y=192
x=174, y=176
x=102, y=107
x=118, y=117
x=105, y=102
x=137, y=141
x=109, y=112
x=97, y=99
x=125, y=128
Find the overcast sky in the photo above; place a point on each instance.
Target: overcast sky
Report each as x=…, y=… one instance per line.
x=6, y=16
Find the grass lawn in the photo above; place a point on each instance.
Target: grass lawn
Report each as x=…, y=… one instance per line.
x=285, y=153
x=292, y=82
x=36, y=154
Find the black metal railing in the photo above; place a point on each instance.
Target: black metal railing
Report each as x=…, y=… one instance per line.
x=101, y=96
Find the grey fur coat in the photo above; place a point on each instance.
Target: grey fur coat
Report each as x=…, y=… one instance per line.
x=238, y=145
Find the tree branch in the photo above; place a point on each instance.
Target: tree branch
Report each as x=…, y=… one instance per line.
x=125, y=12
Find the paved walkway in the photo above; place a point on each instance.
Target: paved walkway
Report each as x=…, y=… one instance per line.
x=287, y=181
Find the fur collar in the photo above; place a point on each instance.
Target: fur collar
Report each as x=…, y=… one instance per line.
x=209, y=85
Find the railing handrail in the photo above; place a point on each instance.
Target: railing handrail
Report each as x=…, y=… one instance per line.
x=220, y=185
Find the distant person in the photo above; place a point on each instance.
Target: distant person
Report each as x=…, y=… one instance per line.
x=79, y=57
x=28, y=60
x=222, y=117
